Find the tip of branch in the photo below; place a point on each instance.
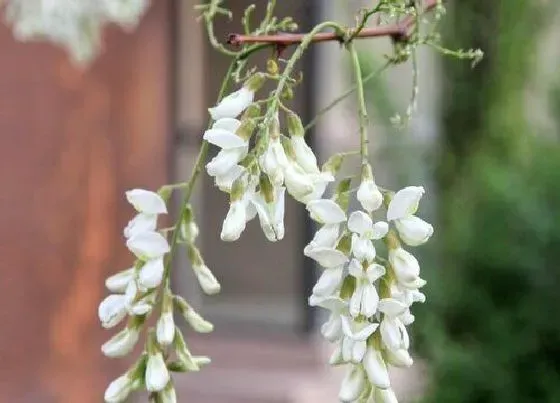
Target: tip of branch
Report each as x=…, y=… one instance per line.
x=233, y=39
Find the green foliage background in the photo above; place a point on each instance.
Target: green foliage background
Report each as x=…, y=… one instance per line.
x=490, y=329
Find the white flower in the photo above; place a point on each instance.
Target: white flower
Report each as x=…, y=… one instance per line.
x=364, y=230
x=364, y=300
x=206, y=279
x=235, y=221
x=142, y=307
x=369, y=195
x=234, y=147
x=151, y=273
x=405, y=267
x=297, y=182
x=225, y=161
x=118, y=282
x=304, y=155
x=326, y=237
x=320, y=182
x=354, y=343
x=376, y=369
x=121, y=344
x=157, y=375
x=413, y=230
x=118, y=390
x=112, y=310
x=271, y=215
x=327, y=257
x=274, y=161
x=146, y=202
x=332, y=328
x=148, y=245
x=393, y=331
x=140, y=223
x=326, y=211
x=404, y=203
x=233, y=104
x=353, y=384
x=165, y=330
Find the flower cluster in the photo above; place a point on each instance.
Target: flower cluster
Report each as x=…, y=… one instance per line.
x=369, y=297
x=139, y=290
x=257, y=179
x=76, y=25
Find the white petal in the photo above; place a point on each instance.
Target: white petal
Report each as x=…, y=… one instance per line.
x=336, y=357
x=331, y=303
x=327, y=257
x=279, y=211
x=297, y=182
x=365, y=331
x=140, y=223
x=233, y=104
x=352, y=385
x=391, y=334
x=380, y=229
x=235, y=222
x=404, y=265
x=145, y=201
x=274, y=162
x=370, y=300
x=197, y=322
x=120, y=344
x=369, y=196
x=118, y=390
x=225, y=182
x=374, y=272
x=376, y=369
x=404, y=203
x=225, y=161
x=157, y=375
x=304, y=155
x=118, y=282
x=385, y=396
x=142, y=307
x=148, y=245
x=362, y=248
x=332, y=329
x=320, y=182
x=326, y=237
x=360, y=223
x=358, y=351
x=347, y=346
x=399, y=358
x=168, y=395
x=224, y=138
x=165, y=330
x=151, y=273
x=229, y=124
x=356, y=269
x=112, y=310
x=326, y=211
x=356, y=300
x=328, y=282
x=392, y=307
x=413, y=230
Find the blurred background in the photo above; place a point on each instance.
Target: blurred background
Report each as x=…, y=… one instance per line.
x=484, y=142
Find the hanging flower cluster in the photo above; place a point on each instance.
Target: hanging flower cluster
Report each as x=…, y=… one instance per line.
x=369, y=297
x=75, y=25
x=141, y=290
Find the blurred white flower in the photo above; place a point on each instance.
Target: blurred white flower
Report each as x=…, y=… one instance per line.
x=376, y=368
x=112, y=310
x=118, y=282
x=157, y=375
x=151, y=273
x=148, y=245
x=165, y=329
x=121, y=344
x=232, y=105
x=353, y=384
x=118, y=390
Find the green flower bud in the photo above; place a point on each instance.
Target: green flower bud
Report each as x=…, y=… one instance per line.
x=255, y=82
x=295, y=127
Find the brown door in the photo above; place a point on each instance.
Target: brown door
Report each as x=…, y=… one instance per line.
x=71, y=143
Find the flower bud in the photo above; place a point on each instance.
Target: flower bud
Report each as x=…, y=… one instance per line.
x=118, y=390
x=405, y=266
x=368, y=194
x=157, y=375
x=413, y=230
x=165, y=329
x=385, y=396
x=297, y=182
x=151, y=273
x=122, y=343
x=304, y=155
x=187, y=361
x=235, y=221
x=196, y=321
x=168, y=395
x=255, y=82
x=295, y=127
x=376, y=368
x=399, y=358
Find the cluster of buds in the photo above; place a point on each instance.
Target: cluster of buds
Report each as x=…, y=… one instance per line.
x=369, y=297
x=75, y=25
x=258, y=178
x=139, y=290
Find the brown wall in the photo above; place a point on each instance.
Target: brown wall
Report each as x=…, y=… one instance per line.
x=71, y=143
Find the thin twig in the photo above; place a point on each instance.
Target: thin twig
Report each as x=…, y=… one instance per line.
x=400, y=31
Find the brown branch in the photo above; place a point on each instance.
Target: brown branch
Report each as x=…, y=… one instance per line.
x=397, y=31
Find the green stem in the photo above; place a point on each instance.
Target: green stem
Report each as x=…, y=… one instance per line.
x=298, y=53
x=346, y=94
x=197, y=169
x=362, y=111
